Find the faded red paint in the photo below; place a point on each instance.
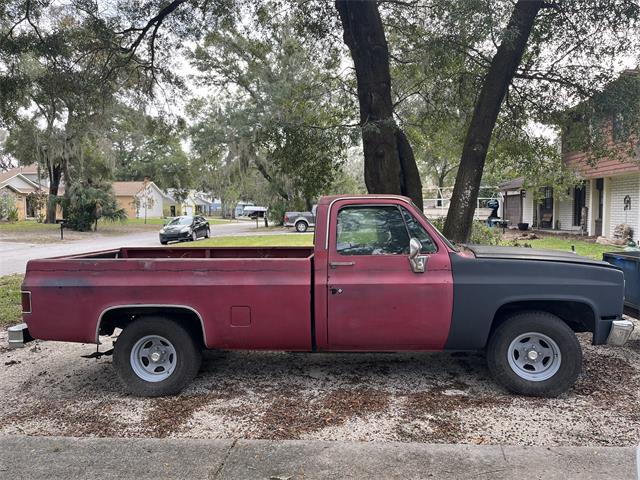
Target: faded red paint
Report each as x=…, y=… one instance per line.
x=256, y=298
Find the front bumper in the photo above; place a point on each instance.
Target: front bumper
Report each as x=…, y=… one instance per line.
x=174, y=237
x=19, y=335
x=620, y=332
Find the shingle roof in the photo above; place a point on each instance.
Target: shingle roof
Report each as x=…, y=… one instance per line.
x=127, y=188
x=515, y=184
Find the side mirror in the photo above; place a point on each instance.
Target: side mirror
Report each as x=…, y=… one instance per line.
x=417, y=262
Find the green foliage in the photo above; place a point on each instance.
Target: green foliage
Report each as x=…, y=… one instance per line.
x=10, y=306
x=88, y=201
x=8, y=209
x=481, y=234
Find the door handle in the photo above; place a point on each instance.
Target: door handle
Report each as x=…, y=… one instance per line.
x=336, y=290
x=341, y=264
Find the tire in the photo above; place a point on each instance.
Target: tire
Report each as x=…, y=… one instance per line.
x=163, y=242
x=194, y=236
x=175, y=371
x=207, y=233
x=550, y=339
x=301, y=226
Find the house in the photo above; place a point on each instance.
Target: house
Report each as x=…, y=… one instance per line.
x=18, y=185
x=142, y=199
x=607, y=195
x=196, y=203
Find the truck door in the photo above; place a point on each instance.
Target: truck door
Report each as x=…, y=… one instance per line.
x=375, y=300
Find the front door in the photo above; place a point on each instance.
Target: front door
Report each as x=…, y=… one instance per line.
x=375, y=301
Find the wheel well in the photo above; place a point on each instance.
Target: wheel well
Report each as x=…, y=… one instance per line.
x=120, y=317
x=302, y=220
x=577, y=315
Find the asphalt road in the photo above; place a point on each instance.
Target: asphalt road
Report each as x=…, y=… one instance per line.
x=14, y=256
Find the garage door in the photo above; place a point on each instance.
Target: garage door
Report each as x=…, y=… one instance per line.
x=513, y=209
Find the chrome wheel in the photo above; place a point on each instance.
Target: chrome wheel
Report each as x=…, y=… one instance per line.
x=534, y=356
x=194, y=236
x=153, y=358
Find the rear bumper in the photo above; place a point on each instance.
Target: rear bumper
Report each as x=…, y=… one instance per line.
x=620, y=332
x=19, y=335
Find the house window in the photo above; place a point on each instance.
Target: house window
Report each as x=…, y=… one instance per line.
x=579, y=201
x=547, y=201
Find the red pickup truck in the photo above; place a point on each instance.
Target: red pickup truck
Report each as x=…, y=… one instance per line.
x=379, y=277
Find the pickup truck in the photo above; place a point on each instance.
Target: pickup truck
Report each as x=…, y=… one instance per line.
x=301, y=220
x=379, y=278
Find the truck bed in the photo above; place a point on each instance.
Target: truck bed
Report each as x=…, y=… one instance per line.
x=247, y=298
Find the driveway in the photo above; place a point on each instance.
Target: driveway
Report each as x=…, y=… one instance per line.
x=14, y=255
x=48, y=389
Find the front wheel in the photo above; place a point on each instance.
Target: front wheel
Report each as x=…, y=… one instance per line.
x=154, y=357
x=535, y=354
x=194, y=236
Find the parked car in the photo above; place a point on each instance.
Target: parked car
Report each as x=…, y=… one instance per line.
x=185, y=228
x=302, y=221
x=379, y=278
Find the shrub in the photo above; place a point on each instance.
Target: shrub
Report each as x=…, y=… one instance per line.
x=8, y=209
x=481, y=234
x=87, y=201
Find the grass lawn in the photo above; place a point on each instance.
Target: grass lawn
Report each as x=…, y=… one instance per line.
x=27, y=226
x=583, y=247
x=10, y=308
x=287, y=240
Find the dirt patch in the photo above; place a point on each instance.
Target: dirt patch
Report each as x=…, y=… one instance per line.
x=288, y=419
x=168, y=415
x=62, y=418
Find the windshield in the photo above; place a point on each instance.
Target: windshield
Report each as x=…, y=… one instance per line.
x=442, y=237
x=181, y=221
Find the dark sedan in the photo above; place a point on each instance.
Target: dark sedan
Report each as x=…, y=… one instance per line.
x=185, y=228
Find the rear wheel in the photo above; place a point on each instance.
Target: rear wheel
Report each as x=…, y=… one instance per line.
x=207, y=233
x=301, y=226
x=535, y=354
x=155, y=356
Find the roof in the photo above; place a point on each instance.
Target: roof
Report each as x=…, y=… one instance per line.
x=127, y=188
x=17, y=172
x=515, y=184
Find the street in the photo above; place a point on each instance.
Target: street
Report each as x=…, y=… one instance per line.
x=14, y=256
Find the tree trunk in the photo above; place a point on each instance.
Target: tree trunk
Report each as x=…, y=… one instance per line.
x=485, y=114
x=389, y=164
x=55, y=173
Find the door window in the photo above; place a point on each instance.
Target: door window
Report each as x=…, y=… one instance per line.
x=416, y=230
x=371, y=231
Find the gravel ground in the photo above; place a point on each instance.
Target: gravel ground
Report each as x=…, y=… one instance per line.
x=46, y=389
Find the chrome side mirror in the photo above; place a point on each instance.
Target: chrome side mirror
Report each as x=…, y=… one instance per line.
x=418, y=262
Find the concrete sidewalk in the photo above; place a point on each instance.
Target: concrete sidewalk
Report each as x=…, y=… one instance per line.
x=113, y=458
